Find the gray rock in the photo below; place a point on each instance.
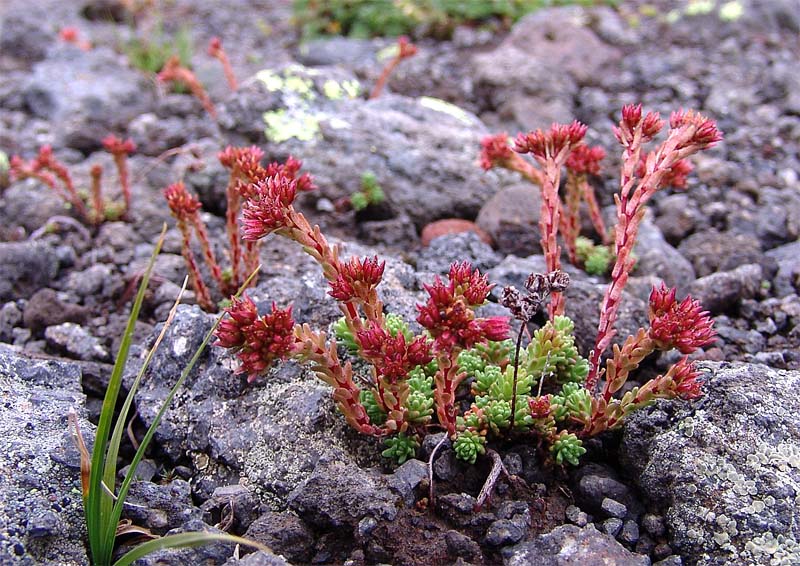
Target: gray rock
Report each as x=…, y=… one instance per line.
x=721, y=291
x=596, y=483
x=45, y=308
x=710, y=250
x=232, y=501
x=10, y=317
x=339, y=494
x=390, y=136
x=75, y=341
x=22, y=35
x=612, y=508
x=464, y=246
x=654, y=256
x=259, y=558
x=573, y=514
x=160, y=507
x=654, y=524
x=462, y=546
x=504, y=532
x=611, y=526
x=89, y=282
x=213, y=553
x=787, y=280
x=37, y=395
x=630, y=533
x=726, y=466
x=345, y=51
x=284, y=533
x=25, y=267
x=533, y=75
x=511, y=218
x=406, y=478
x=86, y=94
x=569, y=544
x=677, y=217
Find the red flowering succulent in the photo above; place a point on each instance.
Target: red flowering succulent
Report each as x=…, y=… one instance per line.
x=393, y=356
x=257, y=340
x=357, y=278
x=448, y=314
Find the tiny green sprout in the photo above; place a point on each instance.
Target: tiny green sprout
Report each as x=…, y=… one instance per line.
x=468, y=445
x=370, y=193
x=400, y=448
x=567, y=448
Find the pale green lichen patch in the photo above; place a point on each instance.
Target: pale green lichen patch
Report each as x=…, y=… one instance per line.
x=731, y=11
x=287, y=81
x=282, y=125
x=699, y=7
x=444, y=107
x=336, y=90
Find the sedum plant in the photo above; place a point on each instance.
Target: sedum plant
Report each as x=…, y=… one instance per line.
x=48, y=170
x=244, y=164
x=462, y=373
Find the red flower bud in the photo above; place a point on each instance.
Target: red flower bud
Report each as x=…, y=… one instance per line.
x=684, y=326
x=584, y=159
x=495, y=151
x=183, y=204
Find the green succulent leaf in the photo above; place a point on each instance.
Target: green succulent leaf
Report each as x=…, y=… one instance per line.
x=468, y=445
x=400, y=448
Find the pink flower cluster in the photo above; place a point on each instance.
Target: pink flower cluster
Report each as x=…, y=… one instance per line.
x=684, y=326
x=392, y=356
x=448, y=314
x=357, y=278
x=257, y=340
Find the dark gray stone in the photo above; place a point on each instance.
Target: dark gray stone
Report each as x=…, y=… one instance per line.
x=613, y=508
x=406, y=478
x=504, y=532
x=284, y=533
x=611, y=526
x=86, y=94
x=39, y=458
x=725, y=466
x=462, y=546
x=721, y=291
x=160, y=507
x=574, y=515
x=654, y=524
x=569, y=544
x=213, y=553
x=630, y=533
x=25, y=267
x=339, y=494
x=46, y=308
x=464, y=246
x=75, y=341
x=787, y=280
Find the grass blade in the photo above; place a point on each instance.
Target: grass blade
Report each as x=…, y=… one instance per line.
x=183, y=540
x=123, y=490
x=98, y=506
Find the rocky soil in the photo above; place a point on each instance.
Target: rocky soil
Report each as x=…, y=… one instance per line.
x=716, y=481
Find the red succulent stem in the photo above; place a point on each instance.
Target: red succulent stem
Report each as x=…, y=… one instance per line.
x=405, y=49
x=175, y=72
x=625, y=360
x=548, y=225
x=97, y=194
x=216, y=50
x=121, y=161
x=208, y=253
x=446, y=381
x=195, y=277
x=312, y=346
x=232, y=226
x=594, y=211
x=571, y=227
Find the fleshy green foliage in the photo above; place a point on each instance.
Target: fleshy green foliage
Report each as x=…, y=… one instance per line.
x=567, y=448
x=150, y=53
x=468, y=445
x=400, y=448
x=374, y=411
x=344, y=335
x=596, y=258
x=368, y=18
x=552, y=352
x=370, y=193
x=574, y=400
x=420, y=396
